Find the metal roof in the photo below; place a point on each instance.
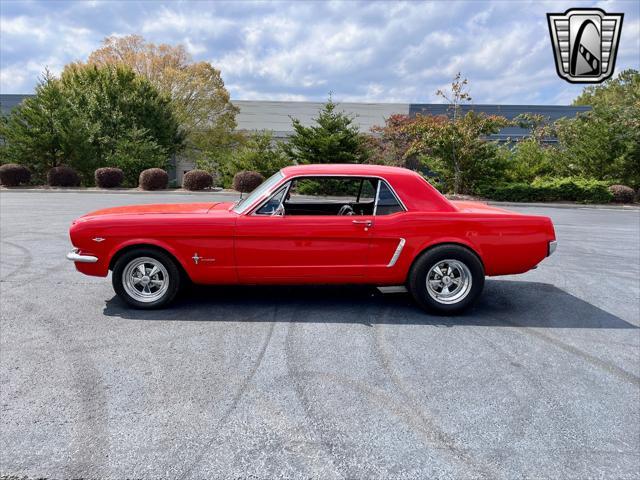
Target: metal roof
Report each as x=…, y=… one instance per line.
x=276, y=116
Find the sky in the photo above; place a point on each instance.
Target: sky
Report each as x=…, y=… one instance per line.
x=361, y=52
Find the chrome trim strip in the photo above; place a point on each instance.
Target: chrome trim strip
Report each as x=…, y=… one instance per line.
x=266, y=200
x=397, y=253
x=74, y=256
x=375, y=202
x=553, y=244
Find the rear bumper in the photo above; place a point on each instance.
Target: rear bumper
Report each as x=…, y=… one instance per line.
x=74, y=256
x=553, y=244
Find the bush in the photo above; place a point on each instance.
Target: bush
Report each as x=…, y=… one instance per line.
x=197, y=180
x=622, y=193
x=563, y=189
x=63, y=176
x=153, y=179
x=109, y=177
x=247, y=181
x=12, y=175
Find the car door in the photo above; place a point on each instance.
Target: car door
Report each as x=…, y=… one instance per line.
x=273, y=247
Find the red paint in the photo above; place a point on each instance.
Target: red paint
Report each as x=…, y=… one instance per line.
x=242, y=248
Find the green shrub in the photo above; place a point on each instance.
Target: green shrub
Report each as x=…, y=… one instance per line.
x=12, y=175
x=550, y=190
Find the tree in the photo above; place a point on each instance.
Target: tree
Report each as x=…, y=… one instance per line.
x=36, y=132
x=390, y=143
x=605, y=143
x=199, y=98
x=90, y=117
x=333, y=139
x=258, y=153
x=455, y=146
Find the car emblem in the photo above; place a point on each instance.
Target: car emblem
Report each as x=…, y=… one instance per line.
x=196, y=259
x=585, y=43
x=98, y=239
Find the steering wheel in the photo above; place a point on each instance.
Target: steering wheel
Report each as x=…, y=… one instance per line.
x=346, y=210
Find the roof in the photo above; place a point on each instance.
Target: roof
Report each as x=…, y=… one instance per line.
x=276, y=116
x=345, y=169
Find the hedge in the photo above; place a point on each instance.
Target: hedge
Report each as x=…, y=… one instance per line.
x=109, y=177
x=63, y=176
x=561, y=189
x=197, y=180
x=247, y=181
x=12, y=174
x=153, y=179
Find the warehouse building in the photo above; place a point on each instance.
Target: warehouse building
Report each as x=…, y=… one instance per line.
x=258, y=115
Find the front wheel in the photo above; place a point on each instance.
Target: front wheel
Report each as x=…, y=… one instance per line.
x=146, y=278
x=446, y=279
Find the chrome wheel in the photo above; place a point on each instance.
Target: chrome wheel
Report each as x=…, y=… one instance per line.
x=449, y=281
x=145, y=279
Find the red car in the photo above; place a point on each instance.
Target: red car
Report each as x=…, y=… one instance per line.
x=314, y=224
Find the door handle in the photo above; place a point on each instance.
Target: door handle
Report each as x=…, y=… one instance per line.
x=366, y=223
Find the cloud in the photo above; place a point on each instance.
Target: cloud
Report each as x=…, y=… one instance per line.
x=361, y=51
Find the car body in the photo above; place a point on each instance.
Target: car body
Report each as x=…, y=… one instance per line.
x=271, y=237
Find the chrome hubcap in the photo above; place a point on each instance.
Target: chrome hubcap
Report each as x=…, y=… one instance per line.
x=449, y=281
x=145, y=279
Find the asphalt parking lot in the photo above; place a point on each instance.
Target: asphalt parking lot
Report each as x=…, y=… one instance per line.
x=540, y=380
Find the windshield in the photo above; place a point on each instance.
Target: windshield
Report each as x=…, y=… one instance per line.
x=265, y=186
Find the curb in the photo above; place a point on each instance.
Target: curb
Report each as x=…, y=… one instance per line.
x=117, y=191
x=133, y=191
x=597, y=206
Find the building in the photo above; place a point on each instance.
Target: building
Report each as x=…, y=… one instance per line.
x=276, y=116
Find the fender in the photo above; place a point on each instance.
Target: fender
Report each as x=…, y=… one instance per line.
x=146, y=241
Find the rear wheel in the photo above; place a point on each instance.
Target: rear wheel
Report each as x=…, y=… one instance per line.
x=146, y=278
x=446, y=279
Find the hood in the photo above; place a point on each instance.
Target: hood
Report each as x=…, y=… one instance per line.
x=160, y=208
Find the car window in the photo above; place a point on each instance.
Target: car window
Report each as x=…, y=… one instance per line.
x=272, y=205
x=387, y=202
x=270, y=182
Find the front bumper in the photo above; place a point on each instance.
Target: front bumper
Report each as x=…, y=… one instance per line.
x=552, y=247
x=74, y=256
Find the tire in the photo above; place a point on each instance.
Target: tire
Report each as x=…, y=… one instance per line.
x=455, y=276
x=146, y=291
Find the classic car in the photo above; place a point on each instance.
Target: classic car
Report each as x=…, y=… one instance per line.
x=314, y=224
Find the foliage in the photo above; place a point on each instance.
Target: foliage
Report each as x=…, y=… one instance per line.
x=12, y=175
x=549, y=190
x=89, y=118
x=247, y=181
x=528, y=159
x=198, y=96
x=134, y=152
x=153, y=179
x=197, y=180
x=605, y=143
x=109, y=177
x=454, y=146
x=333, y=139
x=36, y=133
x=622, y=193
x=63, y=176
x=390, y=143
x=456, y=150
x=258, y=153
